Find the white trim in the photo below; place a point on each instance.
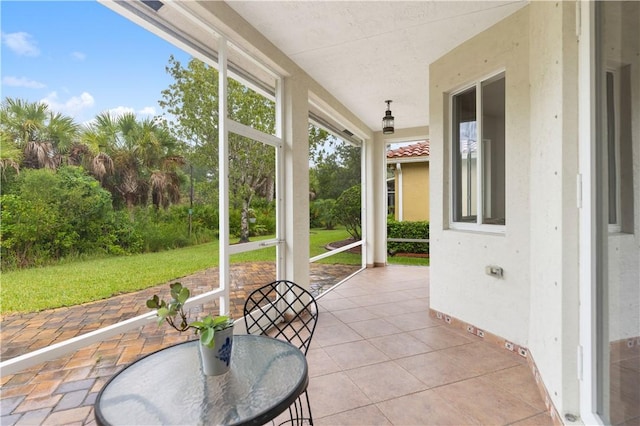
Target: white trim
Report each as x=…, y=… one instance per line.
x=223, y=177
x=281, y=225
x=617, y=226
x=478, y=227
x=404, y=160
x=335, y=251
x=399, y=193
x=51, y=352
x=480, y=163
x=587, y=214
x=252, y=245
x=253, y=134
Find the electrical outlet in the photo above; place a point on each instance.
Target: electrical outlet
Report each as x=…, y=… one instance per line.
x=447, y=319
x=494, y=271
x=480, y=333
x=522, y=352
x=470, y=329
x=439, y=315
x=509, y=346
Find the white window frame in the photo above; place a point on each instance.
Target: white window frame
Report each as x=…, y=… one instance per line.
x=616, y=226
x=480, y=163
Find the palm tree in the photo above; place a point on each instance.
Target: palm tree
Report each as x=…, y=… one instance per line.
x=43, y=136
x=137, y=160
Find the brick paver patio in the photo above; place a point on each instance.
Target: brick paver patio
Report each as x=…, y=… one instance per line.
x=63, y=391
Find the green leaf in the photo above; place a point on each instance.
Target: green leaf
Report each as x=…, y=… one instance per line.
x=207, y=337
x=153, y=303
x=197, y=324
x=176, y=288
x=221, y=322
x=183, y=295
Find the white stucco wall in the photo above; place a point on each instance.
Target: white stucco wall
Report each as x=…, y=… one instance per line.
x=554, y=327
x=536, y=303
x=459, y=285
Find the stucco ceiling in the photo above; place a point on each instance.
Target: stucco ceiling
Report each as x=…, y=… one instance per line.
x=368, y=51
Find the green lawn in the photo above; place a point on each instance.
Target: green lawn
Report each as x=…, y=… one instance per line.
x=73, y=283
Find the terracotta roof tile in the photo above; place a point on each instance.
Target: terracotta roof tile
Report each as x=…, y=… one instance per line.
x=420, y=149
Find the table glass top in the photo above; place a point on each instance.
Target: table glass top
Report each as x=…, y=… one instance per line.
x=169, y=387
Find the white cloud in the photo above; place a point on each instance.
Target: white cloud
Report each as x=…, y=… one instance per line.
x=22, y=82
x=120, y=110
x=147, y=111
x=78, y=56
x=21, y=43
x=72, y=106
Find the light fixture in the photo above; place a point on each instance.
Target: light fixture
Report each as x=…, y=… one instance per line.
x=387, y=120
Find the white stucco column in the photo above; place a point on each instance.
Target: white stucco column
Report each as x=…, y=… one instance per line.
x=377, y=211
x=554, y=306
x=295, y=194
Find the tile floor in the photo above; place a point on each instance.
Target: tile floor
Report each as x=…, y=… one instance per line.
x=377, y=358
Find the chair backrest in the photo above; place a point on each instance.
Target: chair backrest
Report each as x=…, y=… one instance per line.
x=284, y=310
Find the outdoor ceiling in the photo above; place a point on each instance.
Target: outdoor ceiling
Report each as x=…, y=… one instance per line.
x=364, y=52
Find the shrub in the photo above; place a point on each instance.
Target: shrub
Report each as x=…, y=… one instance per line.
x=323, y=213
x=51, y=215
x=348, y=212
x=405, y=229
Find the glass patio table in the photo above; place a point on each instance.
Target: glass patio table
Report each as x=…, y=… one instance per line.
x=168, y=386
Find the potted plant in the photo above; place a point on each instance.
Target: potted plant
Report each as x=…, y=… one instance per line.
x=216, y=333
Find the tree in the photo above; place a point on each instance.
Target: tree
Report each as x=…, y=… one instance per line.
x=348, y=211
x=138, y=160
x=193, y=102
x=335, y=164
x=43, y=136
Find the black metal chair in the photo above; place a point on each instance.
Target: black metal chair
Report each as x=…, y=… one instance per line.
x=284, y=310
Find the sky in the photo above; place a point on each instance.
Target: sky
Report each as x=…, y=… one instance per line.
x=81, y=58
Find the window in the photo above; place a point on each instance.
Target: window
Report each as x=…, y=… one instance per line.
x=619, y=152
x=478, y=154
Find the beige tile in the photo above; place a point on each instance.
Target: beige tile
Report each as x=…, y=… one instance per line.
x=369, y=415
x=623, y=409
x=334, y=334
x=327, y=319
x=413, y=304
x=482, y=357
x=542, y=419
x=334, y=393
x=424, y=408
x=521, y=379
x=631, y=363
x=352, y=315
x=336, y=304
x=374, y=328
x=486, y=403
x=356, y=354
x=377, y=298
x=385, y=380
x=625, y=381
x=352, y=291
x=320, y=363
x=400, y=345
x=330, y=295
x=434, y=368
x=440, y=337
x=414, y=320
